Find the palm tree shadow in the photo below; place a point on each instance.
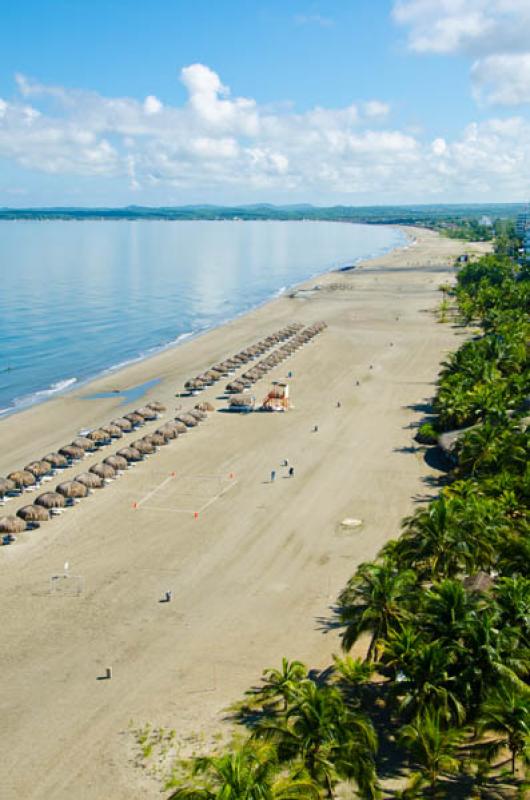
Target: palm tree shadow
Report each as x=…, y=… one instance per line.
x=326, y=624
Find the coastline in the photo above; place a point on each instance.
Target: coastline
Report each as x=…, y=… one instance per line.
x=254, y=575
x=75, y=385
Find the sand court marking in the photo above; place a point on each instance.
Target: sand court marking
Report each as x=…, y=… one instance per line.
x=186, y=494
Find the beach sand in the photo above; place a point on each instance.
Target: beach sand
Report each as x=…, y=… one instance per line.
x=253, y=577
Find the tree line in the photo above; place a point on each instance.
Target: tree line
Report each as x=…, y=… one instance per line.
x=440, y=702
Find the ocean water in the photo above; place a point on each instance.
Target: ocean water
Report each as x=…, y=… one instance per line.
x=78, y=299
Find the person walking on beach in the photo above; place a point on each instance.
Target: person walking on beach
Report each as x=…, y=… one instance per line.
x=273, y=475
x=339, y=404
x=315, y=429
x=291, y=472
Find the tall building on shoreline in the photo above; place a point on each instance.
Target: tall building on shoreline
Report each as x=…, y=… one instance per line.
x=522, y=229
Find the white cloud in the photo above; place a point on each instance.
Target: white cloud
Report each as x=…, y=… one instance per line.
x=494, y=33
x=314, y=19
x=502, y=79
x=215, y=141
x=375, y=109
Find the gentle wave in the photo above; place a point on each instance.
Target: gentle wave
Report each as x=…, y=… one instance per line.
x=37, y=397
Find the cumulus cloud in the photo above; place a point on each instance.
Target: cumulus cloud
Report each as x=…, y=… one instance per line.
x=215, y=140
x=493, y=33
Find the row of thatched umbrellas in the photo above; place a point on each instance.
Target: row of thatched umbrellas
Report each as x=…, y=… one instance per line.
x=224, y=368
x=65, y=494
x=276, y=357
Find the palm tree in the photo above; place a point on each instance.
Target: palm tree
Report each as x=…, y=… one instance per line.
x=328, y=738
x=428, y=680
x=507, y=711
x=252, y=772
x=447, y=611
x=512, y=598
x=432, y=746
x=281, y=684
x=374, y=600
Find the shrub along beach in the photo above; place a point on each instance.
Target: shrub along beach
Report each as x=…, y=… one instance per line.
x=436, y=702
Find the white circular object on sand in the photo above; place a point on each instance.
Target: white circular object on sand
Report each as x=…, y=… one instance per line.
x=351, y=522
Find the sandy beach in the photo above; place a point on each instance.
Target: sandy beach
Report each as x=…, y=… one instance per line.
x=254, y=575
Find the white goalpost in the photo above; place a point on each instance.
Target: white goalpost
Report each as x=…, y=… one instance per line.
x=67, y=584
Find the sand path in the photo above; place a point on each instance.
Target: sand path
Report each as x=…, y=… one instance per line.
x=253, y=577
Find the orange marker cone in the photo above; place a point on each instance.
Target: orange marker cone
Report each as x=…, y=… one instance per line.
x=196, y=514
x=135, y=505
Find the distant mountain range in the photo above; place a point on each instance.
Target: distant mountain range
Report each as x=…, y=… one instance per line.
x=409, y=215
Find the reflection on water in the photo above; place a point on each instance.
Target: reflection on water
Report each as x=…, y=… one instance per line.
x=80, y=298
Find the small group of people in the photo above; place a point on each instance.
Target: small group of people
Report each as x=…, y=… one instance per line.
x=290, y=468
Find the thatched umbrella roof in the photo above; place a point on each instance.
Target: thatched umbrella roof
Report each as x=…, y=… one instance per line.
x=72, y=489
x=214, y=375
x=89, y=479
x=143, y=446
x=103, y=471
x=169, y=430
x=50, y=500
x=12, y=525
x=122, y=423
x=180, y=427
x=196, y=414
x=99, y=435
x=146, y=412
x=39, y=468
x=116, y=462
x=22, y=478
x=242, y=401
x=205, y=406
x=156, y=439
x=135, y=418
x=6, y=485
x=33, y=513
x=130, y=454
x=235, y=386
x=114, y=431
x=56, y=459
x=71, y=451
x=83, y=442
x=157, y=406
x=189, y=421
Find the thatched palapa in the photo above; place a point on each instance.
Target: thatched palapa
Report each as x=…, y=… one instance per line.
x=157, y=406
x=22, y=478
x=56, y=459
x=135, y=418
x=33, y=513
x=105, y=471
x=146, y=413
x=99, y=435
x=39, y=468
x=72, y=451
x=189, y=421
x=12, y=525
x=130, y=454
x=84, y=443
x=114, y=431
x=205, y=406
x=180, y=427
x=169, y=430
x=143, y=446
x=196, y=414
x=90, y=480
x=122, y=423
x=116, y=462
x=156, y=439
x=6, y=485
x=50, y=500
x=72, y=489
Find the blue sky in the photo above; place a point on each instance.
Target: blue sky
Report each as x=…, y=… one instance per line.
x=233, y=101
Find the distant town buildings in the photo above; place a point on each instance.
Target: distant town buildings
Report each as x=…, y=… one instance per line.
x=522, y=229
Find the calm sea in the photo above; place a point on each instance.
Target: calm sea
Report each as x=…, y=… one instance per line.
x=78, y=299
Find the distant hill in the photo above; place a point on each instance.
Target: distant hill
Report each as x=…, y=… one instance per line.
x=406, y=215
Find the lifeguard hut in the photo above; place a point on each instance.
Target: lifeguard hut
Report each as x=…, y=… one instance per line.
x=278, y=398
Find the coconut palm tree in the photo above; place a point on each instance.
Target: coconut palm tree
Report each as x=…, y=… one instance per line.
x=281, y=684
x=512, y=598
x=432, y=745
x=448, y=611
x=506, y=711
x=373, y=601
x=251, y=772
x=329, y=739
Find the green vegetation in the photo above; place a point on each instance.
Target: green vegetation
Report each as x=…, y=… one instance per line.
x=442, y=696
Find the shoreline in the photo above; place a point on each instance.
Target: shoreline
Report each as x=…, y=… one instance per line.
x=75, y=385
x=253, y=576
